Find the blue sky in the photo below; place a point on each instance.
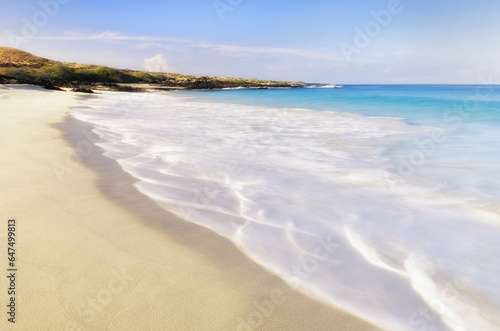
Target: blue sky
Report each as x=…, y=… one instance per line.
x=335, y=41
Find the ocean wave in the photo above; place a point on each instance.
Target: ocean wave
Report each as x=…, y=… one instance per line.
x=311, y=196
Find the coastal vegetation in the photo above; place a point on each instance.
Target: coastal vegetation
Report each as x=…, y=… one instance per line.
x=19, y=67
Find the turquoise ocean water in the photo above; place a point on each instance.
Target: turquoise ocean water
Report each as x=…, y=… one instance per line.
x=382, y=200
x=468, y=116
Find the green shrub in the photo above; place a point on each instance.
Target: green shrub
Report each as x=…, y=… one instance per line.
x=23, y=76
x=143, y=76
x=58, y=73
x=107, y=74
x=86, y=75
x=111, y=75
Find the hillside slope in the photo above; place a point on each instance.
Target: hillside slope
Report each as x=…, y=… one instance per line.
x=20, y=67
x=12, y=57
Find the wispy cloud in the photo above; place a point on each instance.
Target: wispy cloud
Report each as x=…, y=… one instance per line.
x=176, y=43
x=246, y=51
x=106, y=36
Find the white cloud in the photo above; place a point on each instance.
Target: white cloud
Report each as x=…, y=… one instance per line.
x=249, y=51
x=105, y=36
x=157, y=63
x=176, y=43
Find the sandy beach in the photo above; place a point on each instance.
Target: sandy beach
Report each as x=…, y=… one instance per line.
x=95, y=254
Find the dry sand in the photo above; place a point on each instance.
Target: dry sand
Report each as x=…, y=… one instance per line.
x=94, y=254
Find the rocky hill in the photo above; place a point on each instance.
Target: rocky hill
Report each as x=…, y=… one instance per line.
x=12, y=57
x=19, y=67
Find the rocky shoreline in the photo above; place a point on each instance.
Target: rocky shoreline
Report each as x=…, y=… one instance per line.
x=90, y=87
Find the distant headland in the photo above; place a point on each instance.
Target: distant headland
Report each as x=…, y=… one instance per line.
x=20, y=67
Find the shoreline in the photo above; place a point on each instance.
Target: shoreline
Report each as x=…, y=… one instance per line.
x=144, y=266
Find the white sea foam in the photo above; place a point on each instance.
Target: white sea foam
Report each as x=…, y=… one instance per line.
x=310, y=196
x=323, y=86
